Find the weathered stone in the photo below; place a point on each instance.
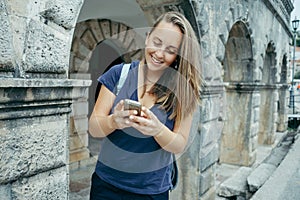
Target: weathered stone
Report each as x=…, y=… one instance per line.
x=6, y=50
x=32, y=145
x=62, y=13
x=235, y=185
x=97, y=32
x=259, y=176
x=78, y=141
x=52, y=184
x=207, y=180
x=208, y=156
x=5, y=191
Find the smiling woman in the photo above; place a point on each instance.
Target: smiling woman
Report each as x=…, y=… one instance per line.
x=135, y=159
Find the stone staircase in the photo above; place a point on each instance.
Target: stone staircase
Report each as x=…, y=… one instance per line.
x=245, y=182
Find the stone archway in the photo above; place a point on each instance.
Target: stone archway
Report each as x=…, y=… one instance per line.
x=87, y=35
x=282, y=103
x=268, y=107
x=239, y=133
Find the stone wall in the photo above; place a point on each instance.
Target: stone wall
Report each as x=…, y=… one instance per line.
x=36, y=97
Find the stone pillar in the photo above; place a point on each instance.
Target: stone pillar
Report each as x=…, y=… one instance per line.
x=239, y=137
x=34, y=132
x=268, y=114
x=197, y=166
x=36, y=97
x=282, y=112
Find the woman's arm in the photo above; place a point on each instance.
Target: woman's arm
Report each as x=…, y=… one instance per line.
x=101, y=123
x=175, y=141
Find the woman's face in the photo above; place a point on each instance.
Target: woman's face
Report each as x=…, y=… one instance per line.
x=162, y=46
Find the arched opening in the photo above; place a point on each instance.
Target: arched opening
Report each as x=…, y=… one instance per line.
x=267, y=98
x=105, y=55
x=282, y=117
x=238, y=134
x=238, y=62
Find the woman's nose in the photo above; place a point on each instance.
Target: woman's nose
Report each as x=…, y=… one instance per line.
x=159, y=52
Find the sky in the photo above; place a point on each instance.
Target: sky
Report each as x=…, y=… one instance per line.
x=296, y=11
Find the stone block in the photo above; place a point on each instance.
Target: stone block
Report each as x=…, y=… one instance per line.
x=52, y=184
x=208, y=157
x=210, y=132
x=206, y=110
x=5, y=191
x=114, y=30
x=62, y=12
x=209, y=195
x=80, y=108
x=80, y=65
x=259, y=176
x=32, y=145
x=236, y=185
x=78, y=141
x=78, y=125
x=46, y=51
x=95, y=27
x=89, y=39
x=79, y=154
x=105, y=26
x=207, y=180
x=6, y=49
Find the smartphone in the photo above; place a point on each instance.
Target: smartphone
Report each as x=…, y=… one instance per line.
x=133, y=105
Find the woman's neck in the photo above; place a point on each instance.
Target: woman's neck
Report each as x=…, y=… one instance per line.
x=149, y=76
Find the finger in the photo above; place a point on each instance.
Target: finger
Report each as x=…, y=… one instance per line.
x=147, y=112
x=140, y=120
x=119, y=106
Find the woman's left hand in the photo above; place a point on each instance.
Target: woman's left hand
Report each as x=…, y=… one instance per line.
x=147, y=123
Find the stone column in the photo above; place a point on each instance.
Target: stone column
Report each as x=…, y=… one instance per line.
x=34, y=136
x=197, y=166
x=268, y=114
x=36, y=97
x=239, y=137
x=282, y=112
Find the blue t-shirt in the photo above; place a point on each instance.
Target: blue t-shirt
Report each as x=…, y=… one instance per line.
x=128, y=159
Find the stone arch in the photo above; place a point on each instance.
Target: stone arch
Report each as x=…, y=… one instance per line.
x=238, y=134
x=268, y=98
x=283, y=91
x=90, y=33
x=238, y=61
x=284, y=69
x=87, y=36
x=269, y=69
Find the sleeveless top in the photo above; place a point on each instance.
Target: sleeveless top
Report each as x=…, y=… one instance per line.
x=128, y=159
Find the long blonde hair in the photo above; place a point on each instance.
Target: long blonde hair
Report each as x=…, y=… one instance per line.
x=181, y=93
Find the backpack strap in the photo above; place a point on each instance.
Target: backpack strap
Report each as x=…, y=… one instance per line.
x=123, y=76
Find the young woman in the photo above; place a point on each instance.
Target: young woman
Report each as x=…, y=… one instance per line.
x=136, y=151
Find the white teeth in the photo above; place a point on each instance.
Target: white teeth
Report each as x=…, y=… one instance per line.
x=156, y=61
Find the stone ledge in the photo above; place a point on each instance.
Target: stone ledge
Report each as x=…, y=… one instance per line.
x=259, y=176
x=18, y=82
x=30, y=93
x=236, y=185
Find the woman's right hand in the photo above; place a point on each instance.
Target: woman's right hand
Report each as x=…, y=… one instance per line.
x=120, y=116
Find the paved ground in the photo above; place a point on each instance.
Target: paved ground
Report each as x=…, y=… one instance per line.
x=80, y=180
x=80, y=175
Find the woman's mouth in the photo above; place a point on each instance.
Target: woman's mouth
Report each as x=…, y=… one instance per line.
x=156, y=61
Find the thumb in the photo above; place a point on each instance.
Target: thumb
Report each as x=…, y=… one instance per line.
x=119, y=106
